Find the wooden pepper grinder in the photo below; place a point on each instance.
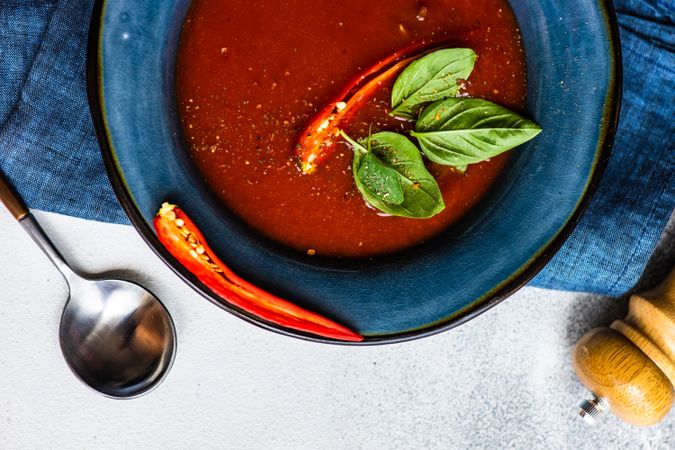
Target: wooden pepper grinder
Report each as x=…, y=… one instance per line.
x=630, y=366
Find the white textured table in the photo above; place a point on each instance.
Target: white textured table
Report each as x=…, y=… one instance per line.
x=503, y=380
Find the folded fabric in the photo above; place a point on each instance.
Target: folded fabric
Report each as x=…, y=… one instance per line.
x=48, y=147
x=609, y=249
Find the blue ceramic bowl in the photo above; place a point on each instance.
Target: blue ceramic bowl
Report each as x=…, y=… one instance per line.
x=573, y=59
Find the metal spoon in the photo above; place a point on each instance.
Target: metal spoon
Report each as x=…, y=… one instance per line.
x=116, y=337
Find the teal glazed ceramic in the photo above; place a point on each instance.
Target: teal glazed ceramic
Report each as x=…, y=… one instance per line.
x=573, y=59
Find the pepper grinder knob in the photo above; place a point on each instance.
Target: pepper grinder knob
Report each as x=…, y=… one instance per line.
x=590, y=410
x=630, y=366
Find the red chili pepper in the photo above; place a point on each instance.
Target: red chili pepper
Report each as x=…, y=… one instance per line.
x=185, y=242
x=317, y=139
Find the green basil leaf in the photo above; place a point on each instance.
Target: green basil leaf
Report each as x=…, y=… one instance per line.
x=391, y=176
x=376, y=176
x=430, y=78
x=380, y=179
x=462, y=131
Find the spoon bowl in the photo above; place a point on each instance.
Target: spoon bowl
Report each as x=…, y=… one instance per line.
x=116, y=337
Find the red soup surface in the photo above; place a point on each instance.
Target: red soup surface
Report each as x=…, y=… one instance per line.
x=251, y=73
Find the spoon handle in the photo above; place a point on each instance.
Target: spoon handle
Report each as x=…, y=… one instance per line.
x=22, y=214
x=13, y=203
x=36, y=232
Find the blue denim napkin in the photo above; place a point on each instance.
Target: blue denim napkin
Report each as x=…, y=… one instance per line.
x=49, y=151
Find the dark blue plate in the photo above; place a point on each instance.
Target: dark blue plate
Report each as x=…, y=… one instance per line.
x=573, y=59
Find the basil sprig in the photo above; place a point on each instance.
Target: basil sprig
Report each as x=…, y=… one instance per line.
x=388, y=168
x=391, y=176
x=463, y=131
x=432, y=77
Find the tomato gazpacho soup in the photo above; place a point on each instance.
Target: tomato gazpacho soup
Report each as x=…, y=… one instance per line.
x=351, y=128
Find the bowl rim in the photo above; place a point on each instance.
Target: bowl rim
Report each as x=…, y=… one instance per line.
x=507, y=288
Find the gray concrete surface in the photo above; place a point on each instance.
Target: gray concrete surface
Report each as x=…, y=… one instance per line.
x=503, y=380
